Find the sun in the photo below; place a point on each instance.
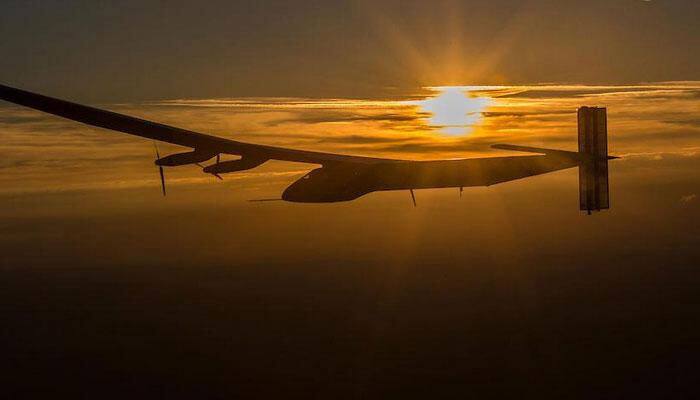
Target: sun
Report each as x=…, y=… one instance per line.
x=454, y=110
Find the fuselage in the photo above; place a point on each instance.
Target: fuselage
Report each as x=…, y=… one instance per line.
x=344, y=182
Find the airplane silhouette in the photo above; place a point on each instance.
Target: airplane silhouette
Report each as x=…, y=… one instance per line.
x=345, y=177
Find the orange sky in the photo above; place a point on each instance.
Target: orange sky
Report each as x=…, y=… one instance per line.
x=44, y=153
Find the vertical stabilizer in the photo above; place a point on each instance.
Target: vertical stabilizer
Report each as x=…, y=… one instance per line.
x=593, y=171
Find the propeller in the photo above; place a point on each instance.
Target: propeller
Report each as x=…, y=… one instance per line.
x=218, y=159
x=160, y=169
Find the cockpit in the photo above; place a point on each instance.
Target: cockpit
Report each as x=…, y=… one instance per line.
x=328, y=185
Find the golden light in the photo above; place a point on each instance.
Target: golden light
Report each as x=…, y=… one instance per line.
x=455, y=110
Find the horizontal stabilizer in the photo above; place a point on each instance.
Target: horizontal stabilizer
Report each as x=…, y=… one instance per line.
x=540, y=150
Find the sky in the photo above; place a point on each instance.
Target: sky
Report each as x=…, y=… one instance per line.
x=206, y=293
x=136, y=50
x=109, y=289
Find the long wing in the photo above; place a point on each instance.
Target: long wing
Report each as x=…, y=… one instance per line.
x=152, y=130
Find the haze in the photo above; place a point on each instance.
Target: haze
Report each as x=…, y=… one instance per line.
x=110, y=290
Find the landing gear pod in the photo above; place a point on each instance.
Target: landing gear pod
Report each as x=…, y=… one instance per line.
x=192, y=157
x=235, y=165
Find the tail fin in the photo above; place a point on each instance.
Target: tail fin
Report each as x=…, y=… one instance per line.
x=593, y=171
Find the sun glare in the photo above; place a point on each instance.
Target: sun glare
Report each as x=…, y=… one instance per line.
x=454, y=110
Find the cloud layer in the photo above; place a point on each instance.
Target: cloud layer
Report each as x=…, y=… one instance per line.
x=41, y=152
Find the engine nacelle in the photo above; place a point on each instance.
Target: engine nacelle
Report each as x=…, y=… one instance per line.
x=234, y=166
x=191, y=157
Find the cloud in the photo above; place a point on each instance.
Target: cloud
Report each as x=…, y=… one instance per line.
x=330, y=117
x=15, y=119
x=694, y=122
x=660, y=135
x=364, y=139
x=285, y=103
x=663, y=90
x=689, y=198
x=523, y=114
x=64, y=163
